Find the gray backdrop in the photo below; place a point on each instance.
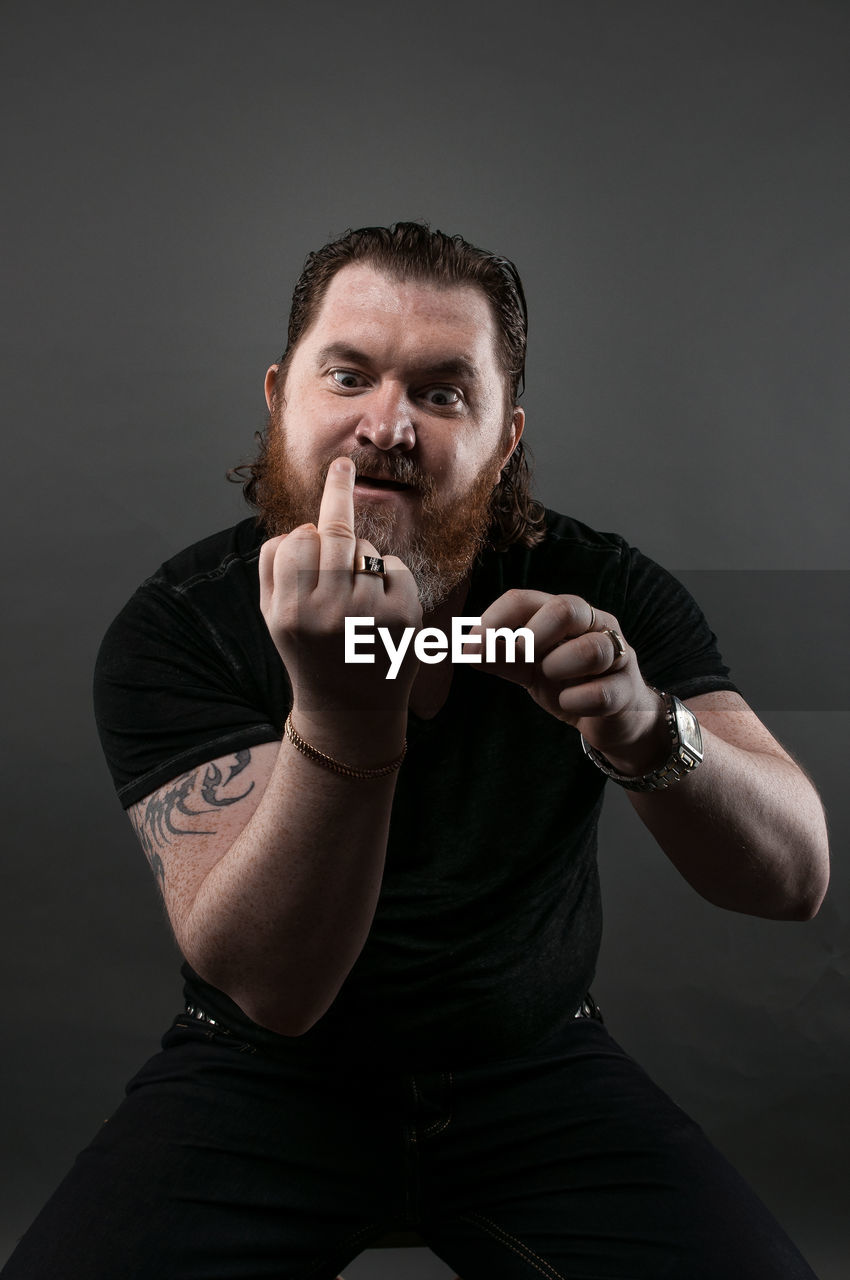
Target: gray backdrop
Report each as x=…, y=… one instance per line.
x=672, y=180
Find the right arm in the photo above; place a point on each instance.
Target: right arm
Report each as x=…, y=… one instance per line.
x=270, y=864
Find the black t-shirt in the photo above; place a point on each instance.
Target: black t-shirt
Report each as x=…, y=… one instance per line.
x=488, y=923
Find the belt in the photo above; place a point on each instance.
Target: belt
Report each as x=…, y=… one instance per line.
x=587, y=1009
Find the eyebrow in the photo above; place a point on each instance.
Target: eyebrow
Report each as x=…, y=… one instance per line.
x=447, y=366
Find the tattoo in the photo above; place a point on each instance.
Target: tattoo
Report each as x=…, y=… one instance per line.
x=158, y=820
x=212, y=780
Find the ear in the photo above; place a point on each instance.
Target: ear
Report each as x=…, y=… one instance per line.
x=271, y=385
x=517, y=428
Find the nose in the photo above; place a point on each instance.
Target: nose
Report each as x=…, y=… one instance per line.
x=387, y=421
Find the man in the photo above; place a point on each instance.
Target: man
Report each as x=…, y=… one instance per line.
x=382, y=874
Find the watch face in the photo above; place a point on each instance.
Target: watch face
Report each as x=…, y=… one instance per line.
x=689, y=730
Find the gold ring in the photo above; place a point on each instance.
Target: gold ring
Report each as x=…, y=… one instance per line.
x=617, y=641
x=370, y=564
x=592, y=623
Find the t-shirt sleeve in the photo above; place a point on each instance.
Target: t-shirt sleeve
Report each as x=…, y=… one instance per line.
x=172, y=691
x=676, y=648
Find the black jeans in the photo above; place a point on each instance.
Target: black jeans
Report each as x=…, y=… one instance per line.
x=227, y=1162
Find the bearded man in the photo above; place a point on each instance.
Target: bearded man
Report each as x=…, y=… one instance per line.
x=385, y=890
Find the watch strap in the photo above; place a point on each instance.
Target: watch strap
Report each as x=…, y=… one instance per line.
x=686, y=754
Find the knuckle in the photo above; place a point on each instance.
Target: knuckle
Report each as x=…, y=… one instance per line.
x=304, y=533
x=271, y=544
x=566, y=610
x=337, y=527
x=601, y=698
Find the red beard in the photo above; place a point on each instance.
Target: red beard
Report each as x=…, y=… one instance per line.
x=447, y=536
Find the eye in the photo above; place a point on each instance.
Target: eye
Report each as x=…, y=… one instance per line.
x=347, y=379
x=442, y=397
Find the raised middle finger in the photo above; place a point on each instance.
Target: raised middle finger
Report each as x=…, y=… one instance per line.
x=336, y=517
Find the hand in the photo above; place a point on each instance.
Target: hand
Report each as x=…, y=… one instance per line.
x=579, y=676
x=307, y=589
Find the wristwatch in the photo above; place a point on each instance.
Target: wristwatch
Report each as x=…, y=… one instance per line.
x=686, y=755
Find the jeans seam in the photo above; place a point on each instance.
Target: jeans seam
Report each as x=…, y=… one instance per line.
x=514, y=1244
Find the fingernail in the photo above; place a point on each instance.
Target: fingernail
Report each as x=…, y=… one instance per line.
x=344, y=466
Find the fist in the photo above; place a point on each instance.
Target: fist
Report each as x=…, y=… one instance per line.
x=580, y=674
x=308, y=587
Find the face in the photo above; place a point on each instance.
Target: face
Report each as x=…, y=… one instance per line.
x=403, y=377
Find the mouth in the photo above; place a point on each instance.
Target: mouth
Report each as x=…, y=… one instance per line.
x=381, y=484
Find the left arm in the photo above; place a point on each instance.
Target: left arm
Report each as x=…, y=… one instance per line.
x=746, y=829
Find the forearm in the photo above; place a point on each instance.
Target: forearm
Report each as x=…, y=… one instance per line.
x=280, y=919
x=746, y=830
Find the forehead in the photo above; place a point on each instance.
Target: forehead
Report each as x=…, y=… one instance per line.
x=365, y=305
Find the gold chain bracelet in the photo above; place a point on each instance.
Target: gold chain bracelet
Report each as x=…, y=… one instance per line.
x=349, y=771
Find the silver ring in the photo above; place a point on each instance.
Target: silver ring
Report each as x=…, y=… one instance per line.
x=617, y=641
x=370, y=564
